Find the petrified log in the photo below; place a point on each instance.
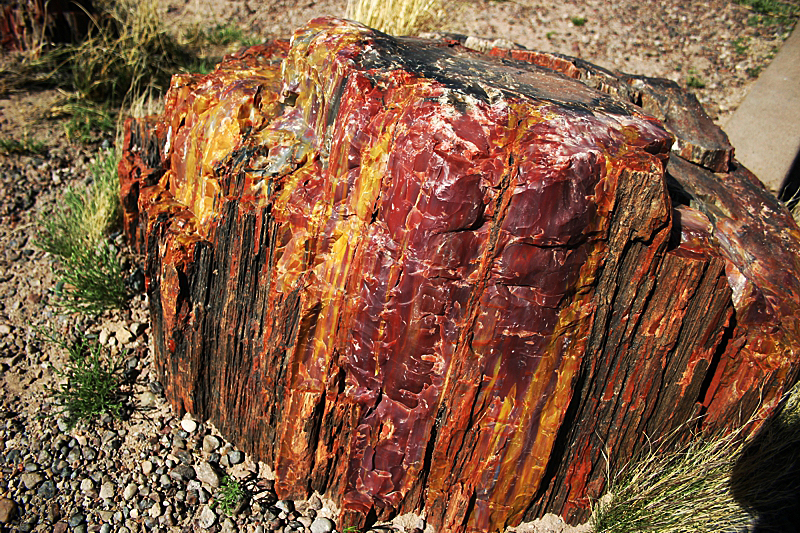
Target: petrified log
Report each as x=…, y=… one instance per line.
x=417, y=277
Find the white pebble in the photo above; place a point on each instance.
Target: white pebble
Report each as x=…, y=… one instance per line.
x=207, y=517
x=188, y=425
x=130, y=491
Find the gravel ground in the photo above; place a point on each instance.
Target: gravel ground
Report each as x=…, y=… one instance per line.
x=158, y=472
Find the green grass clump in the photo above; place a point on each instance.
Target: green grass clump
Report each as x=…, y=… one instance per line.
x=578, y=21
x=87, y=121
x=741, y=45
x=771, y=12
x=26, y=146
x=76, y=232
x=225, y=34
x=92, y=281
x=694, y=80
x=229, y=495
x=93, y=383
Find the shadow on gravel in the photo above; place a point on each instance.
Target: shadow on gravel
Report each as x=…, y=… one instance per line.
x=766, y=478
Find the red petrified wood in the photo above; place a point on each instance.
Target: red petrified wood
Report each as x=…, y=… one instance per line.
x=416, y=277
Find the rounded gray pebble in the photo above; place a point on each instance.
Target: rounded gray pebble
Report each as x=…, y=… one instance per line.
x=76, y=519
x=235, y=457
x=211, y=443
x=207, y=518
x=322, y=525
x=47, y=489
x=182, y=473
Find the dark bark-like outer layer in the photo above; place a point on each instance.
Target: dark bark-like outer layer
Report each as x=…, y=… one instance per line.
x=412, y=276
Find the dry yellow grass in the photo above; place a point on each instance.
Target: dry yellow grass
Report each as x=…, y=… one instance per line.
x=397, y=17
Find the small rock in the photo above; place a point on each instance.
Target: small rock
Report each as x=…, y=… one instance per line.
x=105, y=528
x=107, y=490
x=305, y=520
x=156, y=387
x=315, y=503
x=207, y=518
x=121, y=332
x=87, y=485
x=28, y=525
x=207, y=474
x=60, y=527
x=293, y=527
x=89, y=453
x=155, y=511
x=76, y=520
x=147, y=399
x=8, y=510
x=322, y=525
x=286, y=506
x=184, y=456
x=229, y=526
x=235, y=457
x=188, y=425
x=53, y=512
x=47, y=489
x=31, y=479
x=130, y=491
x=211, y=443
x=5, y=329
x=182, y=473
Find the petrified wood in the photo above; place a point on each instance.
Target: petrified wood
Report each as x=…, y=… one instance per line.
x=417, y=277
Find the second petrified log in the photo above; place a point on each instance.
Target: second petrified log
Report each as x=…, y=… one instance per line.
x=416, y=277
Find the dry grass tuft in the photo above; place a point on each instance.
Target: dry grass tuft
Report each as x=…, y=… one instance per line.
x=721, y=483
x=397, y=17
x=685, y=490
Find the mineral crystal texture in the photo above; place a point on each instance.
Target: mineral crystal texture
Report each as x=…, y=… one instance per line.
x=416, y=277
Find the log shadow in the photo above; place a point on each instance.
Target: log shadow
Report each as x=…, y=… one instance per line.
x=766, y=477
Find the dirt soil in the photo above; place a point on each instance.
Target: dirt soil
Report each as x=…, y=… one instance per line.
x=717, y=44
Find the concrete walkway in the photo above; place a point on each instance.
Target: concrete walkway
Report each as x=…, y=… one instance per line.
x=765, y=129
